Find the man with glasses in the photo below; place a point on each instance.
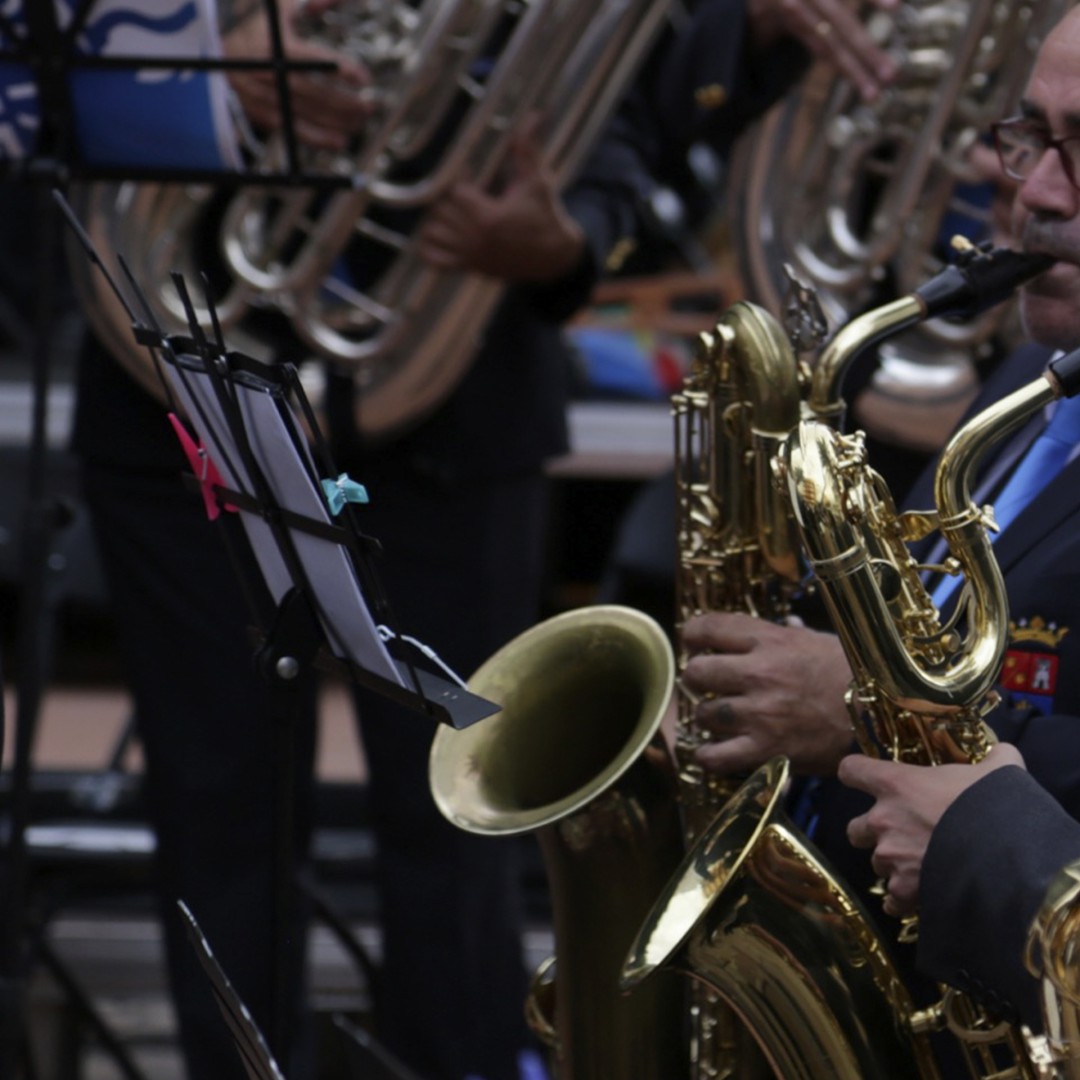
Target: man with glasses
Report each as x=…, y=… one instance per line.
x=766, y=689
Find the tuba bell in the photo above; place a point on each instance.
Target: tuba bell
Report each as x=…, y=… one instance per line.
x=858, y=198
x=454, y=79
x=575, y=756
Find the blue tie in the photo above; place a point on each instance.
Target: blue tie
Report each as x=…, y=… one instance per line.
x=1045, y=458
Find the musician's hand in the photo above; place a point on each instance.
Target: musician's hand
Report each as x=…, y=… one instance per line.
x=767, y=689
x=911, y=800
x=519, y=232
x=832, y=32
x=328, y=107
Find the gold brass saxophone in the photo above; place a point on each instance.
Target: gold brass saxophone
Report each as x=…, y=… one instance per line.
x=737, y=552
x=738, y=549
x=576, y=757
x=453, y=80
x=1052, y=954
x=856, y=196
x=755, y=914
x=920, y=687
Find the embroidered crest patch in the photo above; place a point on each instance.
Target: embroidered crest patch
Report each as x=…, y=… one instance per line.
x=1030, y=670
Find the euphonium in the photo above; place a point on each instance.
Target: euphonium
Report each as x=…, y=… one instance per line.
x=453, y=79
x=575, y=756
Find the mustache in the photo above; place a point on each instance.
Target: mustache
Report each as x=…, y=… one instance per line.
x=1044, y=239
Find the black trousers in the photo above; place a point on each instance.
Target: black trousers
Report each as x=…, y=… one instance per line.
x=461, y=567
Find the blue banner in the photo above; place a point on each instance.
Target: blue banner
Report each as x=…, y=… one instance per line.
x=141, y=118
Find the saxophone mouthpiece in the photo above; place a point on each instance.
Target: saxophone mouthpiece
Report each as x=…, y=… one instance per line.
x=980, y=279
x=1064, y=372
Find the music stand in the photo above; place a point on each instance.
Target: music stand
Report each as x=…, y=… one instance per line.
x=256, y=450
x=365, y=1057
x=44, y=142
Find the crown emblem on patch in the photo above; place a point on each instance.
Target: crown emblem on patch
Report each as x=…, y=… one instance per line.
x=1037, y=630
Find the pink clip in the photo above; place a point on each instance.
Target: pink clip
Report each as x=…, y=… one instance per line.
x=203, y=468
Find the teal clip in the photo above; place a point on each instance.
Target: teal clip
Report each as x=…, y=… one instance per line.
x=342, y=490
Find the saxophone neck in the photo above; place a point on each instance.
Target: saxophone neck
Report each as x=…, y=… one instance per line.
x=965, y=450
x=979, y=280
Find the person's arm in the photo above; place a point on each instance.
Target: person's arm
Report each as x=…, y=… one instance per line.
x=984, y=878
x=523, y=233
x=971, y=849
x=736, y=58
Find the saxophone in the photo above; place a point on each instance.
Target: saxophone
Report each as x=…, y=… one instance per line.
x=755, y=914
x=1051, y=953
x=738, y=552
x=920, y=688
x=575, y=757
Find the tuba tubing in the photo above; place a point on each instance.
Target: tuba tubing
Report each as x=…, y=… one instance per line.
x=280, y=256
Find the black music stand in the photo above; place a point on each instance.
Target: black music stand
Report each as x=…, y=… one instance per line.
x=367, y=1059
x=47, y=55
x=256, y=449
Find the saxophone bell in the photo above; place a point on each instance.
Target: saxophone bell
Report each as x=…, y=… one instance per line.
x=757, y=916
x=576, y=758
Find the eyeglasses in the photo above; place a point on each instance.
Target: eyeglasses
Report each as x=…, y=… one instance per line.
x=1021, y=143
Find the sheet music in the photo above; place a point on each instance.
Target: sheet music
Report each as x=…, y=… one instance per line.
x=284, y=459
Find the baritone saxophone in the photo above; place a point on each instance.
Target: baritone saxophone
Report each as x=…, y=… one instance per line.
x=755, y=913
x=921, y=685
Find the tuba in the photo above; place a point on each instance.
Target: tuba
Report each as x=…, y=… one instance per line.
x=454, y=79
x=856, y=197
x=575, y=757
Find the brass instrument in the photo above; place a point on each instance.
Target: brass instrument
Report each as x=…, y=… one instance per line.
x=919, y=689
x=734, y=915
x=756, y=915
x=737, y=552
x=1052, y=953
x=1055, y=933
x=453, y=80
x=855, y=196
x=575, y=756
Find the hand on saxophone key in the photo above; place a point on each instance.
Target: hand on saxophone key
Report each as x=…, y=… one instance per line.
x=764, y=690
x=910, y=801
